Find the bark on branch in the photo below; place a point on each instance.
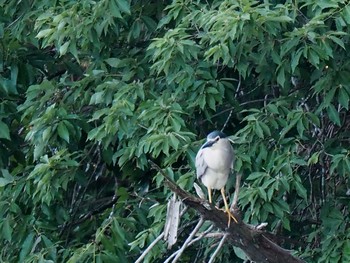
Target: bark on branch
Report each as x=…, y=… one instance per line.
x=254, y=242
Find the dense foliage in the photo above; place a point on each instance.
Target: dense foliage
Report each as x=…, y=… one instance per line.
x=90, y=90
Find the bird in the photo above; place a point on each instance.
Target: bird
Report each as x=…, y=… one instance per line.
x=214, y=162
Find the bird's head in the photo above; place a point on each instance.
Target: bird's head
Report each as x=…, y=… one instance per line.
x=214, y=138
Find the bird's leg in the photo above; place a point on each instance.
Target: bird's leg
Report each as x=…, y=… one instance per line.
x=209, y=194
x=227, y=209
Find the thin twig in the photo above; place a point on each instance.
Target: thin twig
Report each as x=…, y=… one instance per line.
x=77, y=200
x=232, y=108
x=227, y=119
x=154, y=242
x=188, y=240
x=217, y=250
x=215, y=235
x=110, y=203
x=148, y=249
x=238, y=86
x=237, y=188
x=203, y=234
x=178, y=253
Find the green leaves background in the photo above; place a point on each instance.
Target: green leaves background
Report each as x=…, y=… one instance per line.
x=91, y=90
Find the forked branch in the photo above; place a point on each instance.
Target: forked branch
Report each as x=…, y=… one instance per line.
x=254, y=242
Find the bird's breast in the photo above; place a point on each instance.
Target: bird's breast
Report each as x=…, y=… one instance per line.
x=214, y=179
x=218, y=160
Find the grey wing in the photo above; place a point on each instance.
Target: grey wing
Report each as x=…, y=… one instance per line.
x=201, y=165
x=229, y=154
x=232, y=154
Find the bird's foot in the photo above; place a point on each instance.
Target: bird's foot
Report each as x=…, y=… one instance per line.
x=230, y=215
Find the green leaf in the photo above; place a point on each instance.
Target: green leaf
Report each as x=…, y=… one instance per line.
x=149, y=22
x=63, y=131
x=286, y=223
x=123, y=5
x=175, y=123
x=315, y=120
x=1, y=30
x=7, y=230
x=327, y=4
x=212, y=90
x=300, y=190
x=279, y=19
x=272, y=108
x=295, y=59
x=281, y=77
x=292, y=123
x=211, y=102
x=333, y=114
x=26, y=247
x=38, y=150
x=4, y=131
x=240, y=253
x=44, y=33
x=314, y=58
x=63, y=49
x=7, y=174
x=113, y=62
x=314, y=158
x=47, y=134
x=270, y=192
x=97, y=97
x=114, y=9
x=262, y=193
x=4, y=182
x=329, y=96
x=343, y=97
x=255, y=175
x=174, y=141
x=346, y=250
x=346, y=14
x=258, y=130
x=265, y=128
x=337, y=41
x=277, y=211
x=300, y=127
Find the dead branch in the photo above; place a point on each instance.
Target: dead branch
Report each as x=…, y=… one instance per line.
x=217, y=250
x=254, y=242
x=178, y=253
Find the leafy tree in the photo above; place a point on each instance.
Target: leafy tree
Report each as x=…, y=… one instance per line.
x=91, y=90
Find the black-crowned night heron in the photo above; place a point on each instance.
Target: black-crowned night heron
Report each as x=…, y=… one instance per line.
x=214, y=162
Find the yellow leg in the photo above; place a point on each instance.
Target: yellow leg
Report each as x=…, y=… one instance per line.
x=209, y=194
x=227, y=209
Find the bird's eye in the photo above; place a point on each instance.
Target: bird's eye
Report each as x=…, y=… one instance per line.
x=217, y=138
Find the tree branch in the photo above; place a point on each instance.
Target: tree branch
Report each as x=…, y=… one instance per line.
x=217, y=250
x=188, y=240
x=237, y=189
x=143, y=255
x=257, y=246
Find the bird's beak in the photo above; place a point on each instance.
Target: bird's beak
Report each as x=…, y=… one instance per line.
x=208, y=144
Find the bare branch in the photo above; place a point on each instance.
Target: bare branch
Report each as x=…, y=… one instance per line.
x=255, y=243
x=154, y=242
x=227, y=120
x=188, y=240
x=202, y=235
x=217, y=250
x=172, y=221
x=234, y=204
x=148, y=249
